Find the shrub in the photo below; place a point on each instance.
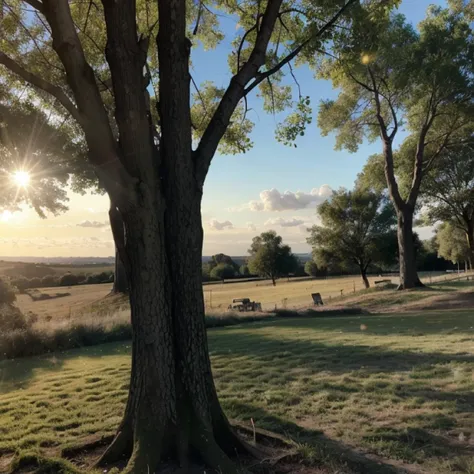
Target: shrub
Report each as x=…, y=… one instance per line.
x=49, y=280
x=244, y=270
x=11, y=319
x=91, y=280
x=21, y=283
x=36, y=282
x=311, y=268
x=7, y=293
x=222, y=271
x=69, y=279
x=81, y=278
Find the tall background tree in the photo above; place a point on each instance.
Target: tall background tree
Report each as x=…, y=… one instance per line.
x=391, y=76
x=120, y=71
x=448, y=192
x=270, y=258
x=452, y=244
x=357, y=227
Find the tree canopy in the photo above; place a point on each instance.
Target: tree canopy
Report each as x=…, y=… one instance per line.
x=270, y=258
x=452, y=243
x=222, y=271
x=392, y=77
x=357, y=227
x=311, y=268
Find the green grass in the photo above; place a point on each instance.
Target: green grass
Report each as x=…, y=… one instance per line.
x=383, y=299
x=397, y=386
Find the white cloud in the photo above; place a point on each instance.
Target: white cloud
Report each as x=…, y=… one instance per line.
x=274, y=201
x=251, y=226
x=280, y=221
x=93, y=224
x=217, y=225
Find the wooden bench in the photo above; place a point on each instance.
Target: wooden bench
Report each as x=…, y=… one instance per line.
x=382, y=282
x=317, y=300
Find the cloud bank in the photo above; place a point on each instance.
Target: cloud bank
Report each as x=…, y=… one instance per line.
x=217, y=225
x=280, y=221
x=93, y=224
x=274, y=201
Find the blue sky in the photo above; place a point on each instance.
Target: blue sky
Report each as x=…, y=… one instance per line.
x=233, y=181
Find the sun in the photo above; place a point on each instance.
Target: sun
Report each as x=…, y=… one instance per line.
x=21, y=178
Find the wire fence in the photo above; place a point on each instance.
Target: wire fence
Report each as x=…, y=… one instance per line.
x=331, y=291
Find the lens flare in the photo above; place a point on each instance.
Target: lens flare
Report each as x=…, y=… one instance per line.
x=21, y=178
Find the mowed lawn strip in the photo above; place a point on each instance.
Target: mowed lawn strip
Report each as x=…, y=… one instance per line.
x=397, y=386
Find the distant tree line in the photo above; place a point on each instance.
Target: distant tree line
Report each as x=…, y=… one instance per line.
x=68, y=279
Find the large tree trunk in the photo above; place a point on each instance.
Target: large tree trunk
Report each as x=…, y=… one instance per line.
x=173, y=414
x=406, y=250
x=172, y=411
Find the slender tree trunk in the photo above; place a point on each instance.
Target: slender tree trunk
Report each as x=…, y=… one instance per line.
x=470, y=243
x=118, y=231
x=363, y=273
x=120, y=276
x=273, y=281
x=406, y=249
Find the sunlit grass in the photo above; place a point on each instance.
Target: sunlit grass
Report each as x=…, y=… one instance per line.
x=401, y=388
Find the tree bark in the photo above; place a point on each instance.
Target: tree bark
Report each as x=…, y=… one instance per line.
x=172, y=410
x=470, y=242
x=406, y=248
x=363, y=273
x=118, y=232
x=120, y=275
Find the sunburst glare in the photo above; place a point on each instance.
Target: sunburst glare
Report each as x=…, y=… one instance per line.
x=21, y=178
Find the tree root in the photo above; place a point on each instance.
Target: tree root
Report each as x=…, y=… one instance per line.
x=213, y=455
x=120, y=448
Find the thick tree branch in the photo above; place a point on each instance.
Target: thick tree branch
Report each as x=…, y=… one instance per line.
x=37, y=5
x=238, y=88
x=126, y=56
x=235, y=91
x=103, y=150
x=387, y=148
x=40, y=83
x=264, y=75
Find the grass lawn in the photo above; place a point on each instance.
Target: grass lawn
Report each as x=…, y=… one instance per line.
x=396, y=388
x=87, y=299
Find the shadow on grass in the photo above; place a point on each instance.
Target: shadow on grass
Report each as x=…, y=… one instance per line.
x=320, y=450
x=458, y=321
x=321, y=356
x=19, y=373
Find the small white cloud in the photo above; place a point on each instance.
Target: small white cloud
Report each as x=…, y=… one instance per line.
x=217, y=225
x=274, y=201
x=256, y=205
x=293, y=222
x=93, y=224
x=251, y=226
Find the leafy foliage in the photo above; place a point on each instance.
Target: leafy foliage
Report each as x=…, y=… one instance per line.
x=311, y=268
x=357, y=228
x=448, y=189
x=222, y=271
x=7, y=293
x=452, y=243
x=244, y=270
x=270, y=258
x=391, y=75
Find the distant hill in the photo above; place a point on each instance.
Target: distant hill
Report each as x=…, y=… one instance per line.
x=80, y=261
x=62, y=260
